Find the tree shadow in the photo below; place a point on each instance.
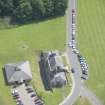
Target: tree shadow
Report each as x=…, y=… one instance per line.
x=33, y=21
x=44, y=76
x=14, y=24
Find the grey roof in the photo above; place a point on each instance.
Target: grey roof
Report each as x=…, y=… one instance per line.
x=61, y=75
x=18, y=71
x=59, y=79
x=54, y=59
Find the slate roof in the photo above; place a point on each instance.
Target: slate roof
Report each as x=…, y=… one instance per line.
x=54, y=59
x=18, y=71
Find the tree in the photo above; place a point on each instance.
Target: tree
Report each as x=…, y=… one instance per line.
x=60, y=7
x=23, y=12
x=38, y=9
x=49, y=8
x=6, y=7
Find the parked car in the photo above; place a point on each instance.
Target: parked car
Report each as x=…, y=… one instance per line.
x=39, y=101
x=75, y=51
x=16, y=94
x=85, y=77
x=36, y=99
x=72, y=70
x=73, y=46
x=85, y=72
x=19, y=102
x=33, y=95
x=73, y=32
x=70, y=44
x=30, y=91
x=73, y=11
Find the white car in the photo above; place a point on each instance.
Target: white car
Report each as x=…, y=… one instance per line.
x=73, y=46
x=73, y=24
x=70, y=44
x=76, y=51
x=73, y=32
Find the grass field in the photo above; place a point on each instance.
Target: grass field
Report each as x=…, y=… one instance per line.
x=82, y=101
x=91, y=42
x=25, y=43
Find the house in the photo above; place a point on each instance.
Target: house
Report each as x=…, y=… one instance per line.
x=54, y=68
x=18, y=72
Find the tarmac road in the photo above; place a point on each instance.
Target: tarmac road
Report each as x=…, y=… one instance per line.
x=78, y=88
x=72, y=57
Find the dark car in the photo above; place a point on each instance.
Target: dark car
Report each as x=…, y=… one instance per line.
x=73, y=11
x=30, y=91
x=85, y=72
x=36, y=99
x=83, y=78
x=33, y=95
x=38, y=102
x=16, y=95
x=72, y=70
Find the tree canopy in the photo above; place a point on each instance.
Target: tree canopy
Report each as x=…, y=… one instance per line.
x=22, y=11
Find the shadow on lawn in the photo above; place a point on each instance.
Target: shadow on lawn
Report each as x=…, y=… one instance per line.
x=44, y=76
x=5, y=77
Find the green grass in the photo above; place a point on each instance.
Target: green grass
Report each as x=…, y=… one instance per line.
x=82, y=101
x=25, y=43
x=91, y=42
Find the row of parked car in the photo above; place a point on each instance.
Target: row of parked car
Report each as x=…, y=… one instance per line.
x=34, y=96
x=72, y=43
x=73, y=29
x=16, y=96
x=84, y=67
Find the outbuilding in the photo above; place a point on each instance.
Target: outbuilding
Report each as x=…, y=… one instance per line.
x=18, y=72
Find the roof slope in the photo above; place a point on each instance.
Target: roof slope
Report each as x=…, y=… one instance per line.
x=18, y=71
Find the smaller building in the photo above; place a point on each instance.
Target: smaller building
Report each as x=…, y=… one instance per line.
x=18, y=72
x=54, y=68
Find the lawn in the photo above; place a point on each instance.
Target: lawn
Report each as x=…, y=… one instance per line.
x=91, y=42
x=25, y=43
x=82, y=101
